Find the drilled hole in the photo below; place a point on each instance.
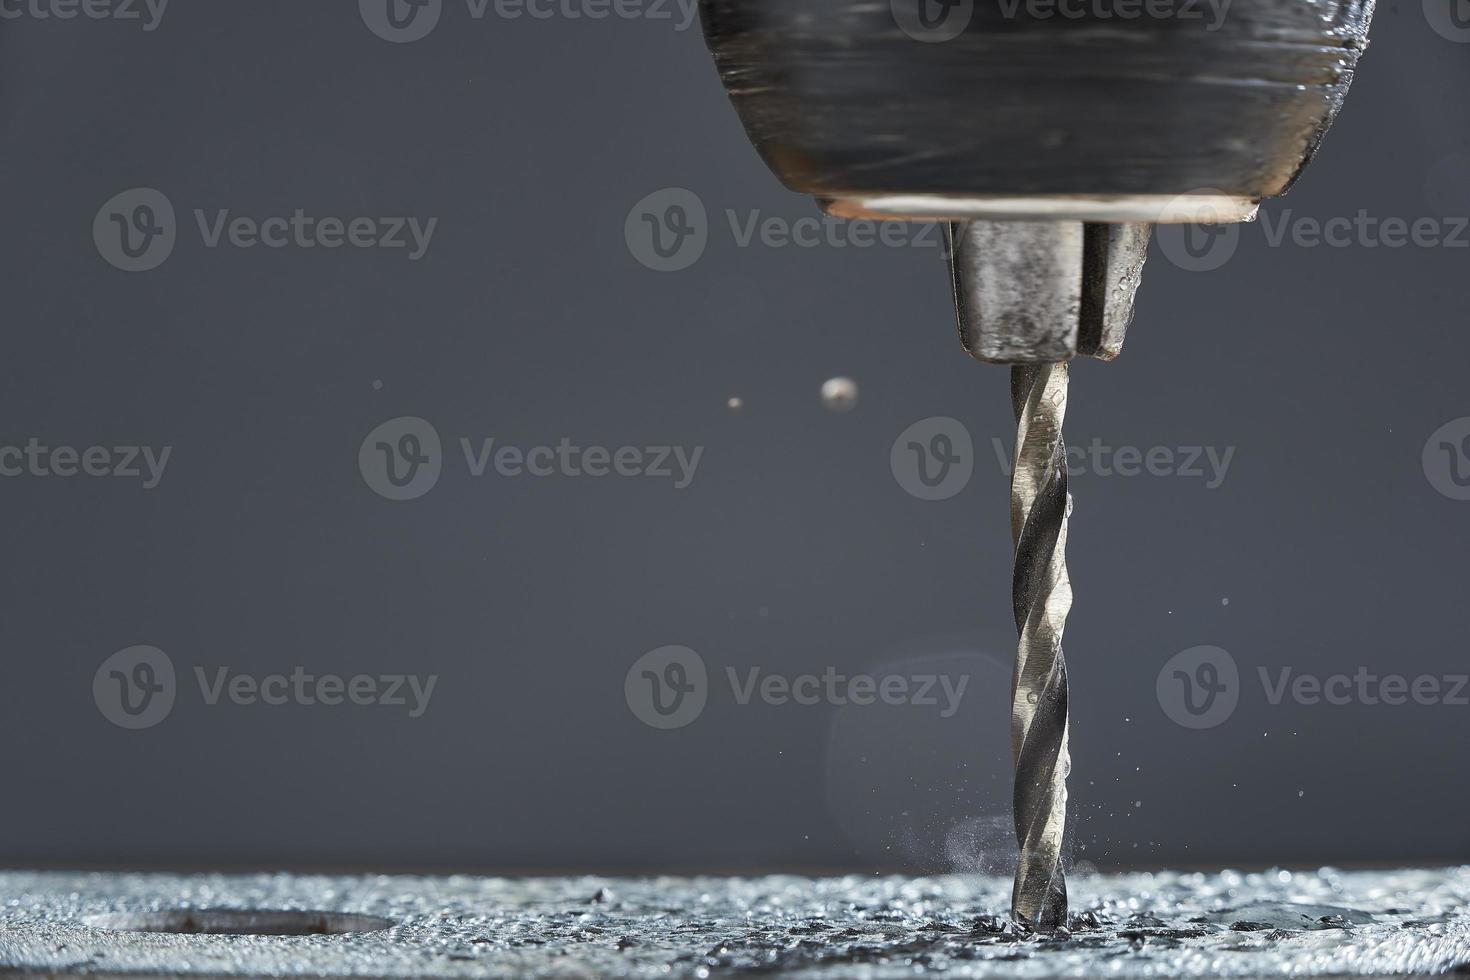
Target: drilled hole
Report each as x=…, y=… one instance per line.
x=224, y=922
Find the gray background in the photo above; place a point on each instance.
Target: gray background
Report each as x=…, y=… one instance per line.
x=794, y=549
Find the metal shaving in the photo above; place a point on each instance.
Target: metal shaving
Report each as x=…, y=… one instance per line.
x=1272, y=924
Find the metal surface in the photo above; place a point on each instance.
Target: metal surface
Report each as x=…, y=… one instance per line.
x=1042, y=596
x=854, y=101
x=1273, y=924
x=1173, y=209
x=1018, y=289
x=1112, y=269
x=1045, y=291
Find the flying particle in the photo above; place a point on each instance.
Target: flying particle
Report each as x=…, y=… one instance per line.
x=840, y=395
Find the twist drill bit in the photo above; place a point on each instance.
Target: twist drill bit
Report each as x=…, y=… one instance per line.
x=1042, y=595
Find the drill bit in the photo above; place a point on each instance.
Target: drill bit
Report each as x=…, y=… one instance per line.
x=1042, y=595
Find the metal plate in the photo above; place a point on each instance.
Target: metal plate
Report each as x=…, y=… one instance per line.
x=1144, y=925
